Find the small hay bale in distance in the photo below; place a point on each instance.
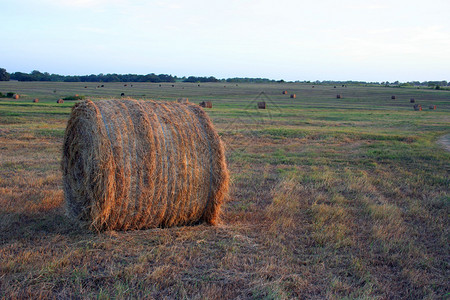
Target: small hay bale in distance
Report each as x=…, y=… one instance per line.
x=338, y=96
x=60, y=101
x=412, y=100
x=262, y=105
x=130, y=164
x=393, y=97
x=432, y=107
x=205, y=104
x=183, y=100
x=35, y=100
x=293, y=96
x=16, y=96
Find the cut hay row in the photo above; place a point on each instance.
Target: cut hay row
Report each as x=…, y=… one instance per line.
x=131, y=164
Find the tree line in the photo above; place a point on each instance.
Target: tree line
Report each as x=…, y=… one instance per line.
x=45, y=76
x=39, y=76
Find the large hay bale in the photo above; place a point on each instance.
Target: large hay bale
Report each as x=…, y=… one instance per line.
x=131, y=164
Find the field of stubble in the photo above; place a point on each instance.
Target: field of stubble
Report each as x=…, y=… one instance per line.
x=330, y=198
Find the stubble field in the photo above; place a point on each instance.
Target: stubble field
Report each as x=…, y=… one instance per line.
x=330, y=198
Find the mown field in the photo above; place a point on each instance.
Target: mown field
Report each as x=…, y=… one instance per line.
x=330, y=198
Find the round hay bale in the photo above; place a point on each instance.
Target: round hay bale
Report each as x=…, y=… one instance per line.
x=60, y=101
x=130, y=164
x=35, y=100
x=16, y=96
x=393, y=97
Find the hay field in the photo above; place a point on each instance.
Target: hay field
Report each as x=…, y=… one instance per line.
x=330, y=198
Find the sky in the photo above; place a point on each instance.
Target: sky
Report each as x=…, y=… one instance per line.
x=362, y=40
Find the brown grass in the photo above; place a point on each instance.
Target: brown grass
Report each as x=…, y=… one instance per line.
x=131, y=164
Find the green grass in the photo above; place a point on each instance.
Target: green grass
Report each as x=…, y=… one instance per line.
x=330, y=198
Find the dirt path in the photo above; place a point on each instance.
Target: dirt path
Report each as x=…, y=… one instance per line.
x=445, y=141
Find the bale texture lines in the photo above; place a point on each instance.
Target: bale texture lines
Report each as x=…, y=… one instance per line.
x=130, y=164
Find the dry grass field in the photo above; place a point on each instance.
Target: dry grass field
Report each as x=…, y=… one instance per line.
x=330, y=198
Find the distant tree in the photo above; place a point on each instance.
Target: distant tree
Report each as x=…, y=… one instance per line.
x=4, y=76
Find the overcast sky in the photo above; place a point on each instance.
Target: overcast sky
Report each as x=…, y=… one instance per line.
x=375, y=40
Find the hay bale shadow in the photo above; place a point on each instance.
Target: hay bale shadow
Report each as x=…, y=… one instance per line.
x=23, y=226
